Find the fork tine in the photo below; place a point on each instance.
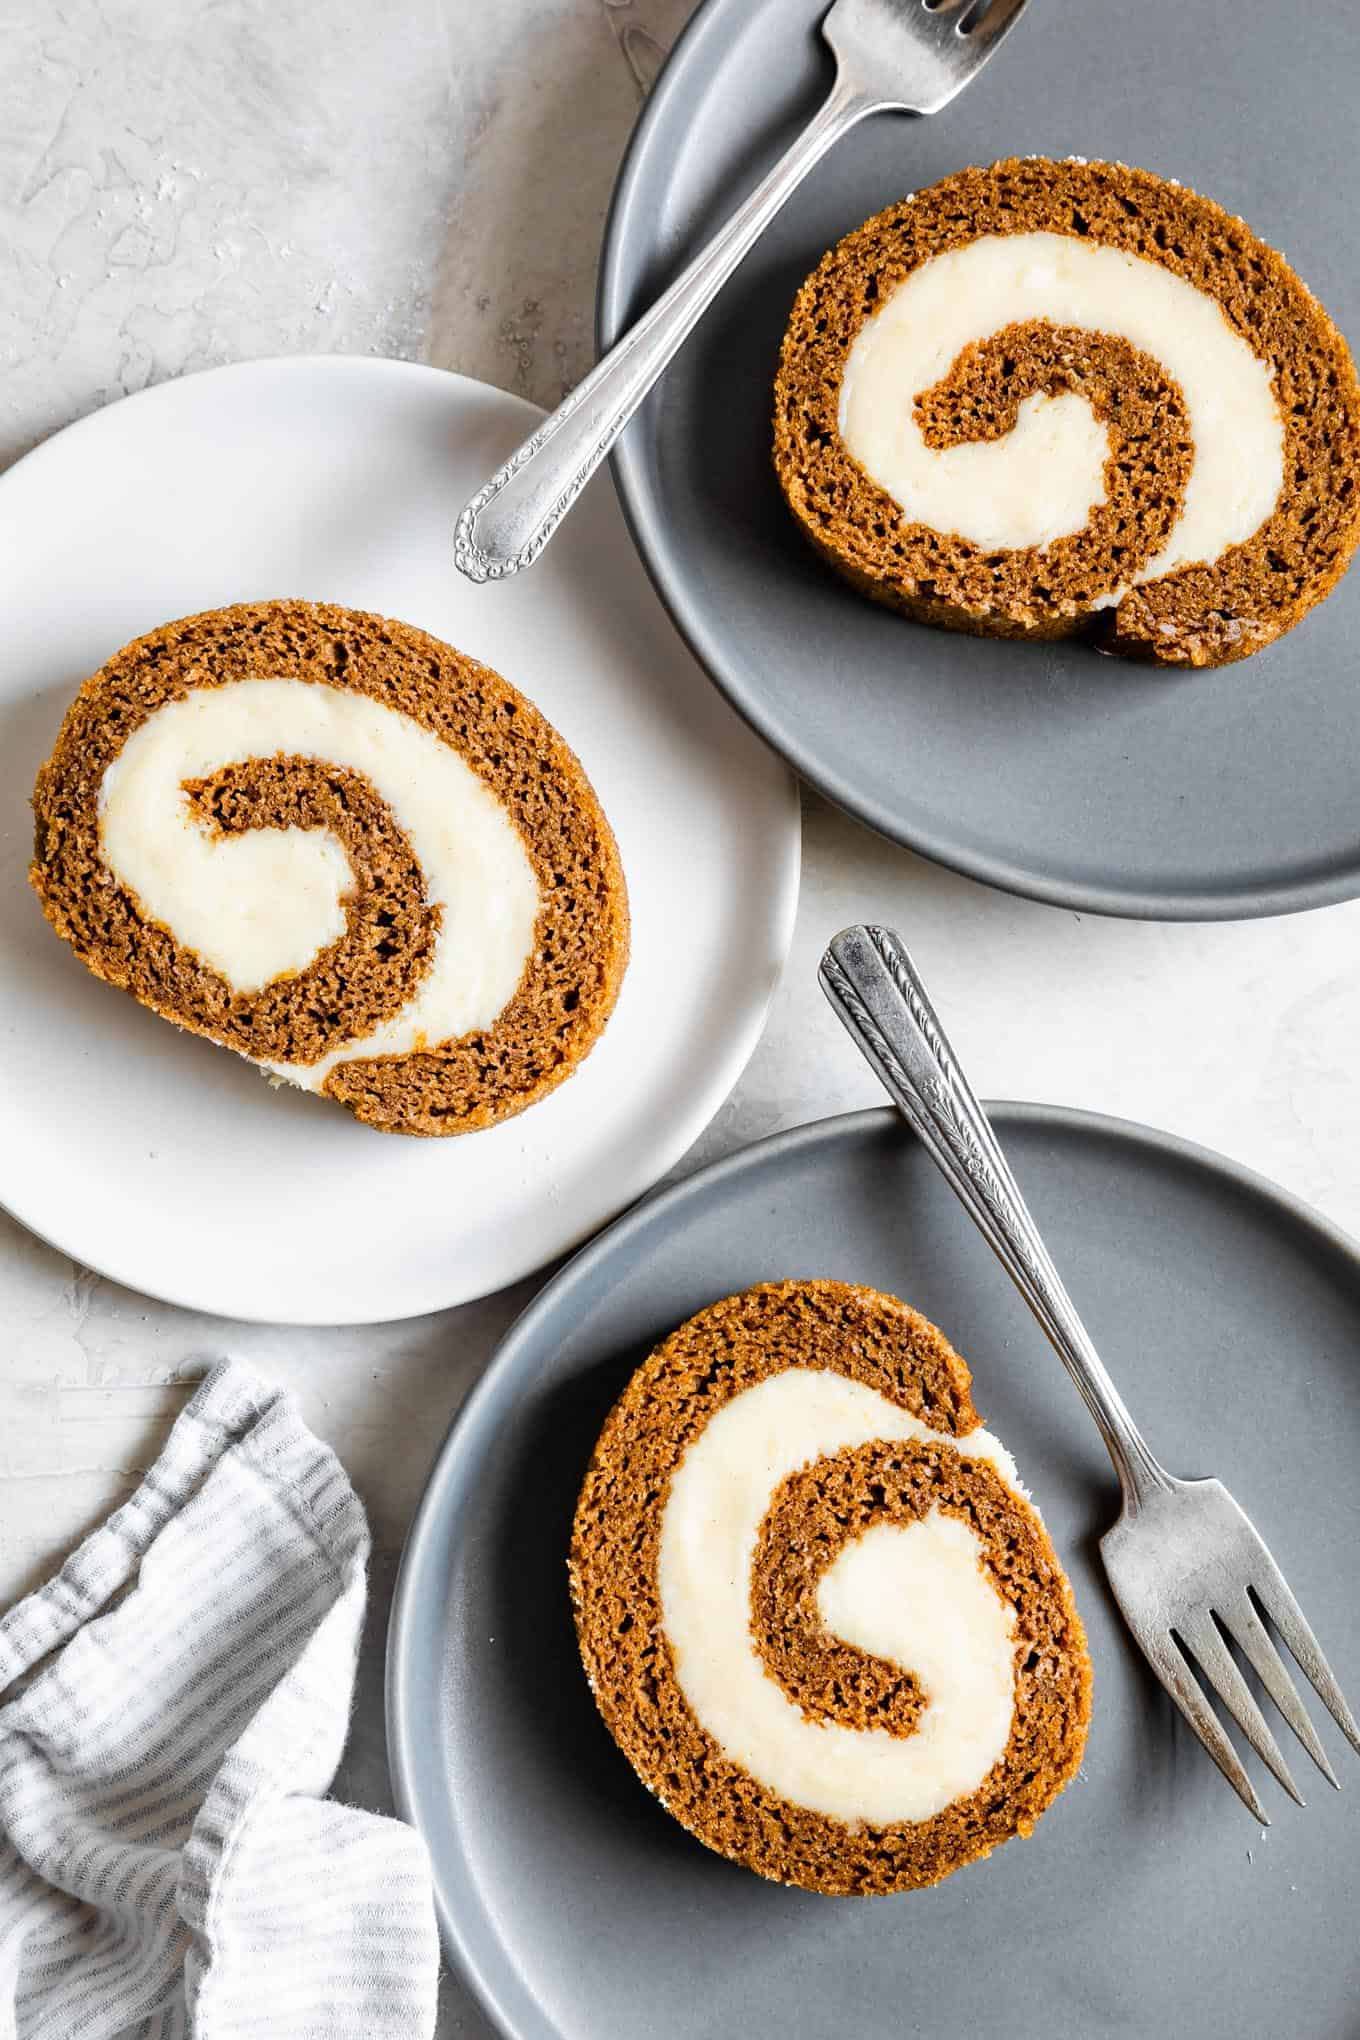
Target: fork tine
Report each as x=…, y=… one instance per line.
x=1175, y=1674
x=990, y=18
x=1219, y=1667
x=1248, y=1632
x=1272, y=1590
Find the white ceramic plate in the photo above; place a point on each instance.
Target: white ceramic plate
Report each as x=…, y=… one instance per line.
x=170, y=1164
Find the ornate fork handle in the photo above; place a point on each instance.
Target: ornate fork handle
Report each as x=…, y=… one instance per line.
x=873, y=986
x=508, y=523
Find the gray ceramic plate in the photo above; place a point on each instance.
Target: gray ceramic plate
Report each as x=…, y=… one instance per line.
x=1147, y=1902
x=1047, y=770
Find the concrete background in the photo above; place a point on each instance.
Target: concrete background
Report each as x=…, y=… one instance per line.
x=193, y=183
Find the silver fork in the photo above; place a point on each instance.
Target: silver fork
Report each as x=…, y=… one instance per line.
x=906, y=56
x=1187, y=1568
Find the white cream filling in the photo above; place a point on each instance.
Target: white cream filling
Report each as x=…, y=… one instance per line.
x=261, y=905
x=1042, y=480
x=916, y=1594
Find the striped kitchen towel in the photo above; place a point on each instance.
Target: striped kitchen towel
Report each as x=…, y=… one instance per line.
x=173, y=1706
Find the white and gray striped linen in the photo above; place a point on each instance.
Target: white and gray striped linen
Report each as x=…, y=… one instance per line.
x=168, y=1863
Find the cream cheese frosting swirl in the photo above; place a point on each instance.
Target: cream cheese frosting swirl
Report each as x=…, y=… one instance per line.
x=817, y=1610
x=262, y=905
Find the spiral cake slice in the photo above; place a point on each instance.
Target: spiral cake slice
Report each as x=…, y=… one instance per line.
x=1049, y=397
x=343, y=849
x=817, y=1612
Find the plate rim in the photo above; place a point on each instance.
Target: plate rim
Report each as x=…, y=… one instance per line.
x=706, y=1104
x=402, y=1728
x=646, y=526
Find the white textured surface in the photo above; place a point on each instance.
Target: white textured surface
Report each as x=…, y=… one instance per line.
x=183, y=186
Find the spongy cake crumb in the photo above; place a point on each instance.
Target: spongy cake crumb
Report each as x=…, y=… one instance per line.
x=1197, y=615
x=715, y=1356
x=571, y=980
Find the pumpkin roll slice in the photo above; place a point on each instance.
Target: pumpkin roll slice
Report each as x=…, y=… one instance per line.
x=1045, y=398
x=818, y=1614
x=336, y=845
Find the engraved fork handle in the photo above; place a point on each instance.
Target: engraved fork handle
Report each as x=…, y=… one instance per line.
x=508, y=523
x=873, y=986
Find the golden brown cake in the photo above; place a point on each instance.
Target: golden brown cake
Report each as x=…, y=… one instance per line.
x=343, y=849
x=1045, y=397
x=817, y=1612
